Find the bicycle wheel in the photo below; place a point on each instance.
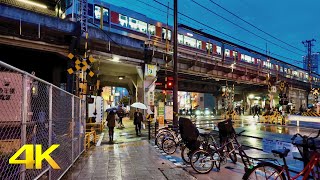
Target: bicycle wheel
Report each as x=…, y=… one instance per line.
x=315, y=172
x=185, y=154
x=264, y=171
x=233, y=155
x=161, y=137
x=169, y=146
x=202, y=161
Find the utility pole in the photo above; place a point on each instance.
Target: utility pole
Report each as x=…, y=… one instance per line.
x=175, y=65
x=308, y=44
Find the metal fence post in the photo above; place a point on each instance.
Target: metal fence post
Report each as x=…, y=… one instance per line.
x=72, y=128
x=24, y=122
x=80, y=123
x=50, y=123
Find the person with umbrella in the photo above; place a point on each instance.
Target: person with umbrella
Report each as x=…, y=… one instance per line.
x=138, y=117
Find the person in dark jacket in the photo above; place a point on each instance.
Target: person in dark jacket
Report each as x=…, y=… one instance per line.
x=111, y=119
x=120, y=113
x=138, y=118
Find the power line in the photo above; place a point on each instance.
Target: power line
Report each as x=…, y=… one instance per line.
x=223, y=32
x=244, y=28
x=255, y=26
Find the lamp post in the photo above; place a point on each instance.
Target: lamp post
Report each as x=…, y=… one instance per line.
x=175, y=65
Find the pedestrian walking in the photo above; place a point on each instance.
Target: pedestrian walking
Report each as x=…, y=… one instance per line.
x=120, y=113
x=256, y=110
x=111, y=119
x=138, y=118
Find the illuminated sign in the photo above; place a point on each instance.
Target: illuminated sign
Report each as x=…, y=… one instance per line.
x=150, y=70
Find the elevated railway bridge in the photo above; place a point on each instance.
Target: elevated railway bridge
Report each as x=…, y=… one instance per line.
x=208, y=67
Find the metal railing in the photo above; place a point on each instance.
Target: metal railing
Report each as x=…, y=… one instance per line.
x=33, y=111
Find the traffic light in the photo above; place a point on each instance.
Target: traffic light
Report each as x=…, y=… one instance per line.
x=169, y=84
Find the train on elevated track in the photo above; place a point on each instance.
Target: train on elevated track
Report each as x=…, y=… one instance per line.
x=136, y=25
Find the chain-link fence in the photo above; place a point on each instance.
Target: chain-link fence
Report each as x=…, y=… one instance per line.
x=36, y=112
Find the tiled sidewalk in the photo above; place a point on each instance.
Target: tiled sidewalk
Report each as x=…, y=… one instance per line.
x=133, y=160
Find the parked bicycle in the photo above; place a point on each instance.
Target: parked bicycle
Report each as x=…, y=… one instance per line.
x=203, y=160
x=271, y=171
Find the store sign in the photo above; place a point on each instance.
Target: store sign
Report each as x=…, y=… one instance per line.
x=161, y=109
x=151, y=98
x=150, y=70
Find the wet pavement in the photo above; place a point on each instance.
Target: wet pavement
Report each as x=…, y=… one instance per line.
x=133, y=157
x=132, y=160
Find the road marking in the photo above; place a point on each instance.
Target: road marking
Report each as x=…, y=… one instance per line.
x=100, y=139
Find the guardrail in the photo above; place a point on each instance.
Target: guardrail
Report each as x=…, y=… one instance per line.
x=298, y=118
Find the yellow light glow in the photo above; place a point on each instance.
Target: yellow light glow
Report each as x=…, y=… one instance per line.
x=34, y=4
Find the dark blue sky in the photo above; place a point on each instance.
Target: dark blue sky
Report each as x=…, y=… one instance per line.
x=292, y=21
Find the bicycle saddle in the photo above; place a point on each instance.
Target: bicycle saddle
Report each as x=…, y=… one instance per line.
x=281, y=152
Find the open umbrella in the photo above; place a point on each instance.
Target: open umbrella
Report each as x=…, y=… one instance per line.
x=139, y=105
x=111, y=109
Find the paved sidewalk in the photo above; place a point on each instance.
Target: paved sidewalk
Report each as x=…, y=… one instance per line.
x=133, y=160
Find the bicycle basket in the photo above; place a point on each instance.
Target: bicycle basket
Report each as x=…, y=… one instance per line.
x=226, y=129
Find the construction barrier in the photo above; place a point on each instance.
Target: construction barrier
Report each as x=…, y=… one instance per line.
x=310, y=114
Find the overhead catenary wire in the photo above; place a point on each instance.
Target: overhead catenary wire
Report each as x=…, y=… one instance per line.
x=245, y=28
x=209, y=27
x=255, y=26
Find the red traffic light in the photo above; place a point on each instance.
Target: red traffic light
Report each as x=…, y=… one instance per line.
x=169, y=85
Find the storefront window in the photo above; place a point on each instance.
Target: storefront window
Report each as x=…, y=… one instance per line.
x=190, y=41
x=123, y=20
x=180, y=38
x=97, y=13
x=152, y=29
x=164, y=33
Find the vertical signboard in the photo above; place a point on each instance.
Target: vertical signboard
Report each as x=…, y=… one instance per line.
x=161, y=112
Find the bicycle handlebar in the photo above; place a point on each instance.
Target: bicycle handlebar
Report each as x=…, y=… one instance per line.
x=239, y=134
x=305, y=138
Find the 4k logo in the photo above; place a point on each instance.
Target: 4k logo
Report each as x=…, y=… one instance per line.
x=30, y=161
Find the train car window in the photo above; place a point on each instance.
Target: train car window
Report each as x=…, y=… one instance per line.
x=180, y=38
x=248, y=59
x=90, y=9
x=152, y=29
x=137, y=25
x=123, y=20
x=190, y=41
x=227, y=52
x=235, y=55
x=218, y=50
x=164, y=34
x=97, y=14
x=199, y=44
x=209, y=47
x=242, y=57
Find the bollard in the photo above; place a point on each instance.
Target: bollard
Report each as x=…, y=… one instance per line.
x=155, y=128
x=149, y=130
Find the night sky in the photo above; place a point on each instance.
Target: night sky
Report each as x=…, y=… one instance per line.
x=292, y=21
